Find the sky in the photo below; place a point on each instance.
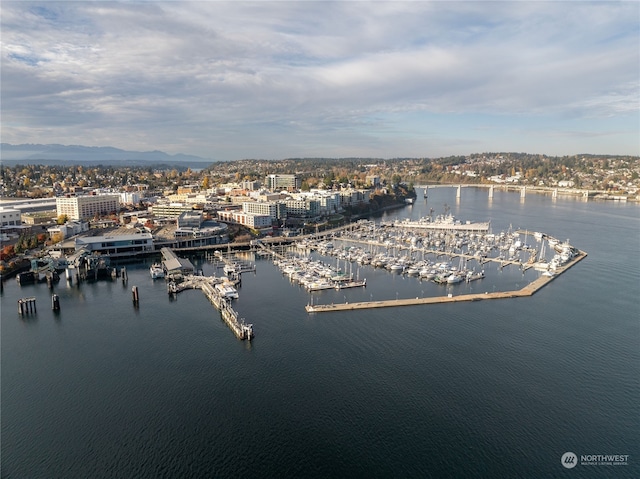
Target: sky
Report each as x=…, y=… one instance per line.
x=283, y=79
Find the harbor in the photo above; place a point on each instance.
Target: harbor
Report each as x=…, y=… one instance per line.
x=439, y=249
x=170, y=374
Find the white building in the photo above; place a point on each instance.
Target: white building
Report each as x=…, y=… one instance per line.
x=68, y=229
x=275, y=209
x=10, y=216
x=86, y=207
x=117, y=245
x=130, y=198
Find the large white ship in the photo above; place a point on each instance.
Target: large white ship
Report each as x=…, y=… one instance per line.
x=441, y=222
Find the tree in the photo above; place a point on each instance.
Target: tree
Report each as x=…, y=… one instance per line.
x=62, y=219
x=56, y=237
x=205, y=183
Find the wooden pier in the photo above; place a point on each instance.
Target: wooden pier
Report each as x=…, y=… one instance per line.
x=528, y=290
x=206, y=284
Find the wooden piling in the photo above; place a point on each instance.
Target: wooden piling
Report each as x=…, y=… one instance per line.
x=136, y=296
x=55, y=302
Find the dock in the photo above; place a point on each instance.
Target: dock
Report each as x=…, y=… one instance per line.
x=528, y=290
x=206, y=284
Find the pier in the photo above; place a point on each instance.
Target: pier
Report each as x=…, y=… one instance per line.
x=207, y=284
x=528, y=290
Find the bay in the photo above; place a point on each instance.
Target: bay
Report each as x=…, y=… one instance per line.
x=489, y=389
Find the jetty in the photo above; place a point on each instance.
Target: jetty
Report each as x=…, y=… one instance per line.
x=206, y=284
x=528, y=290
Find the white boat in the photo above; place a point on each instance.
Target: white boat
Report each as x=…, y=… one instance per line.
x=351, y=284
x=472, y=276
x=231, y=268
x=226, y=290
x=320, y=285
x=156, y=271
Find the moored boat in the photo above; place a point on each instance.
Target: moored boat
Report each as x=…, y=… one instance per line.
x=156, y=271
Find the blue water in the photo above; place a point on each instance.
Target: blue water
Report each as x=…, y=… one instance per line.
x=488, y=389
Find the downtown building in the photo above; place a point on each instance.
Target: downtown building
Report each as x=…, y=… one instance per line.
x=283, y=182
x=88, y=206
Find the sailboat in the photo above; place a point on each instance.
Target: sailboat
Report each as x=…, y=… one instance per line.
x=541, y=264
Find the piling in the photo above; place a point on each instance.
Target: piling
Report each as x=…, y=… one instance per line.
x=26, y=305
x=124, y=275
x=136, y=297
x=55, y=302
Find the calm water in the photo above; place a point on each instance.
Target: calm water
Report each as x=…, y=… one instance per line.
x=490, y=389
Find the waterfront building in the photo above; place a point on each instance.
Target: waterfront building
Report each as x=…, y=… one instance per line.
x=352, y=196
x=250, y=220
x=190, y=219
x=194, y=231
x=116, y=245
x=88, y=206
x=283, y=182
x=304, y=207
x=277, y=210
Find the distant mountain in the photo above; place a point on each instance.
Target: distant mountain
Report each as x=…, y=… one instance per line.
x=87, y=155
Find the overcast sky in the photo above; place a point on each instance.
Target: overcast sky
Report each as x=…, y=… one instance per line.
x=279, y=79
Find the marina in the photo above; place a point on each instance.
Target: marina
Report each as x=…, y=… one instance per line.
x=153, y=380
x=527, y=290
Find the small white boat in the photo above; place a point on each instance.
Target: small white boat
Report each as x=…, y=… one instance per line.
x=156, y=271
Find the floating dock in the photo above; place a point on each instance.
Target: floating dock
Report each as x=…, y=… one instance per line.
x=206, y=284
x=528, y=290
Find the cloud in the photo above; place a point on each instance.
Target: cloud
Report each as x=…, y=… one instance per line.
x=272, y=78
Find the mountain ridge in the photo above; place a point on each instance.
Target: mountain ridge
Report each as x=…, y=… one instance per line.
x=106, y=155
